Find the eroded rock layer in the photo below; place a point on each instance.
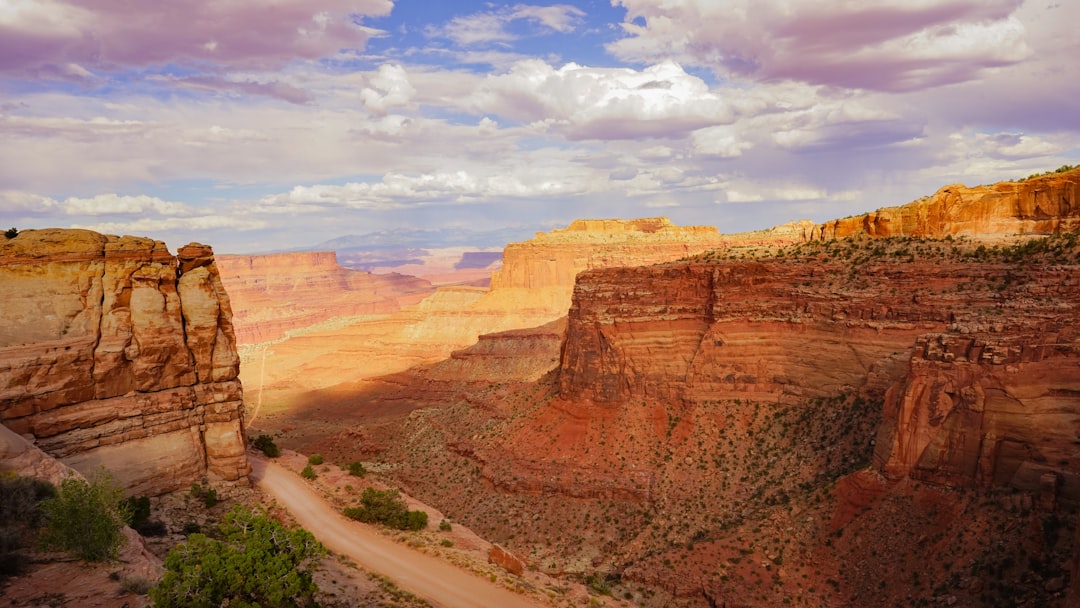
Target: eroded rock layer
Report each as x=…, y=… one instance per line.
x=991, y=392
x=1041, y=205
x=274, y=293
x=114, y=352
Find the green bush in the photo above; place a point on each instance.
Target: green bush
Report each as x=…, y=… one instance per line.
x=386, y=507
x=252, y=561
x=265, y=444
x=356, y=469
x=19, y=500
x=444, y=525
x=315, y=459
x=139, y=508
x=308, y=472
x=86, y=517
x=11, y=233
x=208, y=495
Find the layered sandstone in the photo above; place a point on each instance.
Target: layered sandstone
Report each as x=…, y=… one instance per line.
x=114, y=352
x=1041, y=205
x=273, y=294
x=990, y=394
x=538, y=275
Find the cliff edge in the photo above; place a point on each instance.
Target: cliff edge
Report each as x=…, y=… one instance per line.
x=114, y=352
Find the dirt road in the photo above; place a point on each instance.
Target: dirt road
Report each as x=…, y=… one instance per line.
x=428, y=577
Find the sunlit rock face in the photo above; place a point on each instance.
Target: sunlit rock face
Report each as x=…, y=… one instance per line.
x=273, y=294
x=1042, y=205
x=114, y=352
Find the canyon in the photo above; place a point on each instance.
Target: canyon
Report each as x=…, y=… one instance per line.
x=879, y=410
x=115, y=353
x=813, y=422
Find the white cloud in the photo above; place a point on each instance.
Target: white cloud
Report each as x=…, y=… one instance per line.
x=490, y=27
x=888, y=45
x=114, y=204
x=601, y=103
x=389, y=88
x=149, y=225
x=720, y=141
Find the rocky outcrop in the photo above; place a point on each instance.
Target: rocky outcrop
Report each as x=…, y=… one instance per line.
x=274, y=293
x=987, y=392
x=506, y=560
x=1041, y=205
x=539, y=274
x=114, y=352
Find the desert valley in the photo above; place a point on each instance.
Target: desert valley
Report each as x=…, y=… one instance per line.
x=880, y=410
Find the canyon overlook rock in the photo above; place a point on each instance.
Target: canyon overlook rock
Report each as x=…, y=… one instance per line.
x=1039, y=205
x=114, y=352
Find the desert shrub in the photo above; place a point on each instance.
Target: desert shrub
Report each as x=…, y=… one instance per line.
x=445, y=526
x=315, y=459
x=356, y=469
x=11, y=232
x=152, y=528
x=252, y=561
x=308, y=472
x=85, y=518
x=208, y=494
x=20, y=497
x=139, y=508
x=386, y=507
x=265, y=444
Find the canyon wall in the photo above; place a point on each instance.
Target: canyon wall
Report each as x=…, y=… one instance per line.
x=977, y=363
x=1040, y=205
x=114, y=352
x=275, y=293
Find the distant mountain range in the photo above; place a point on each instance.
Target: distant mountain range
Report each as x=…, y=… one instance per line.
x=404, y=239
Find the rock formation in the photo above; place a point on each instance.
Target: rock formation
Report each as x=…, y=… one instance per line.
x=274, y=293
x=1040, y=205
x=114, y=352
x=538, y=275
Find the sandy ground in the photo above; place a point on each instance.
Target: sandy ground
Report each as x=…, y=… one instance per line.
x=425, y=576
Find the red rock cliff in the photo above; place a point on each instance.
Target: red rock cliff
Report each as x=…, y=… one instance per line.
x=1041, y=205
x=275, y=293
x=114, y=352
x=977, y=362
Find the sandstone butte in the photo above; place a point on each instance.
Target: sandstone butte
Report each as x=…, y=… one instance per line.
x=114, y=352
x=532, y=288
x=696, y=412
x=272, y=294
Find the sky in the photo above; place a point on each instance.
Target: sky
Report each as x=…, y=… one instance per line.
x=256, y=125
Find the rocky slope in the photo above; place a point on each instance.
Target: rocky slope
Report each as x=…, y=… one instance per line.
x=274, y=293
x=756, y=431
x=114, y=352
x=1039, y=205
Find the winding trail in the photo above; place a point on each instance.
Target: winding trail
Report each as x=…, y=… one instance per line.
x=443, y=584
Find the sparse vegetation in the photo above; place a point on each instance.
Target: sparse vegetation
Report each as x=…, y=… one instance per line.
x=11, y=232
x=265, y=444
x=251, y=560
x=208, y=495
x=388, y=508
x=315, y=459
x=85, y=517
x=20, y=519
x=356, y=469
x=308, y=473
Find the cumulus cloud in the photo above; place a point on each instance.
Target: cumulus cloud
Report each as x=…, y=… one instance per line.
x=601, y=103
x=893, y=45
x=388, y=88
x=720, y=141
x=491, y=26
x=14, y=202
x=43, y=34
x=114, y=204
